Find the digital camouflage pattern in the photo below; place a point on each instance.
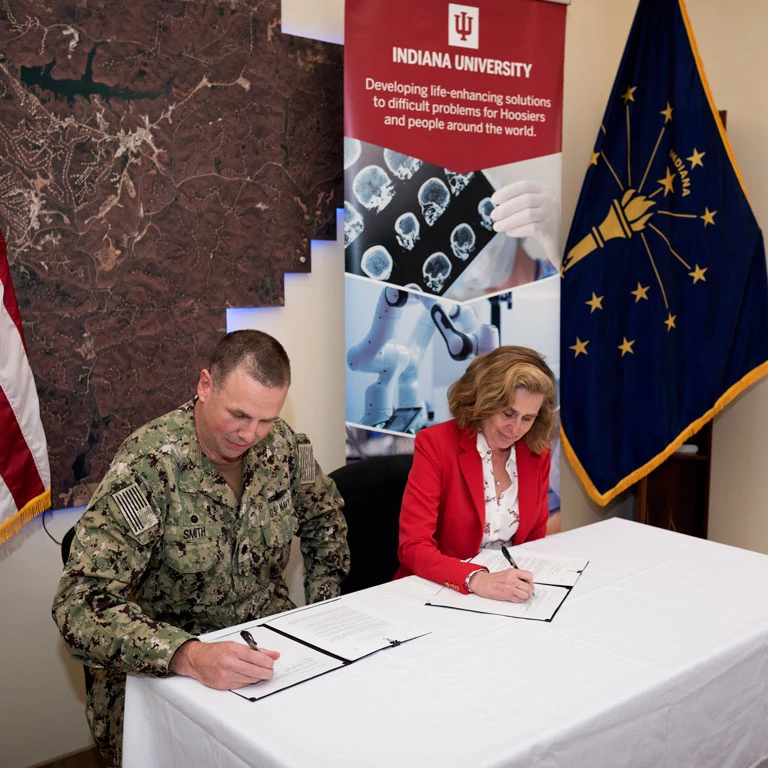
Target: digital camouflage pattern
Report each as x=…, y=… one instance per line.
x=141, y=582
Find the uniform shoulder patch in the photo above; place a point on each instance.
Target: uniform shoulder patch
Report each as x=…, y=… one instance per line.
x=305, y=459
x=134, y=507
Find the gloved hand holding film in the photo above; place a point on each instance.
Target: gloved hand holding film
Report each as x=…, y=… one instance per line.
x=529, y=209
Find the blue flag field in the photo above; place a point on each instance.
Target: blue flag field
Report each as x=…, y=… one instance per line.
x=664, y=304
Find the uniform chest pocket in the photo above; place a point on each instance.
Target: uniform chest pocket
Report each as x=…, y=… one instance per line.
x=192, y=549
x=281, y=523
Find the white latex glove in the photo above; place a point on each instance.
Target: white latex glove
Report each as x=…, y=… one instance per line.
x=529, y=209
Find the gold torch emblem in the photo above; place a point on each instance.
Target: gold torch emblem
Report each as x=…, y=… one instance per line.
x=622, y=220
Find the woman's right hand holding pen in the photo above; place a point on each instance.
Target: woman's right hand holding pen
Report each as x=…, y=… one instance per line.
x=512, y=584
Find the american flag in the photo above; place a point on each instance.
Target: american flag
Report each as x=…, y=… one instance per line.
x=25, y=478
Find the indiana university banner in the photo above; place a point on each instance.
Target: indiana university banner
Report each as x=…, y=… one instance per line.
x=451, y=113
x=664, y=295
x=25, y=481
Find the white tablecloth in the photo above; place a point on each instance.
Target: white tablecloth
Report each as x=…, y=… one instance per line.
x=658, y=658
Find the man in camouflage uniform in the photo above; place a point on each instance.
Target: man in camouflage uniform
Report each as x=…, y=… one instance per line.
x=190, y=532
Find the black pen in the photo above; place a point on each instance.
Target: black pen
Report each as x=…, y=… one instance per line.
x=508, y=557
x=248, y=637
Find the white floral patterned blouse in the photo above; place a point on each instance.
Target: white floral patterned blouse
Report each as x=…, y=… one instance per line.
x=502, y=515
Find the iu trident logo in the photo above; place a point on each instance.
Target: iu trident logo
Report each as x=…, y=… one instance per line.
x=463, y=26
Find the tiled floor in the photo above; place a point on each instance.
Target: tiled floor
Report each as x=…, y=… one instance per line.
x=91, y=758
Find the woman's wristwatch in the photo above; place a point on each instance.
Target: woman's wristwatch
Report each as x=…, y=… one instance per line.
x=469, y=576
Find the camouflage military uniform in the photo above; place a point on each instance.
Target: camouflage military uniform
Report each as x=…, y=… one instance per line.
x=164, y=552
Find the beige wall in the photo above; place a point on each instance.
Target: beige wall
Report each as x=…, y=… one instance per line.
x=732, y=43
x=40, y=690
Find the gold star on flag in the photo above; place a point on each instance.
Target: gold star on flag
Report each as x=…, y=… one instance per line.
x=596, y=302
x=708, y=216
x=641, y=292
x=695, y=158
x=594, y=158
x=580, y=347
x=629, y=95
x=667, y=182
x=626, y=346
x=670, y=322
x=667, y=113
x=698, y=274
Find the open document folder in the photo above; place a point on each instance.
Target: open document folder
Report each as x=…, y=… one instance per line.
x=317, y=639
x=553, y=579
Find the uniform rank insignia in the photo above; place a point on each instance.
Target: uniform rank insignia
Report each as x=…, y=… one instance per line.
x=135, y=508
x=305, y=459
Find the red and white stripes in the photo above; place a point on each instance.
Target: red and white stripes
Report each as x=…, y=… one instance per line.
x=25, y=478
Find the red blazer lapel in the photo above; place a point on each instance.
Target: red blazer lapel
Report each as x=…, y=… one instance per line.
x=527, y=479
x=472, y=470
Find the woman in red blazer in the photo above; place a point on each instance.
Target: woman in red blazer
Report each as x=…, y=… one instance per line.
x=482, y=478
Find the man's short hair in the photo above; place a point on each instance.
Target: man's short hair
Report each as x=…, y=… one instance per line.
x=262, y=355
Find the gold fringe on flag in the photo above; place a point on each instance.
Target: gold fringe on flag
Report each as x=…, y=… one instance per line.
x=725, y=399
x=31, y=509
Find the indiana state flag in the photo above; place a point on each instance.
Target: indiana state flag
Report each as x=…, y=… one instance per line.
x=664, y=315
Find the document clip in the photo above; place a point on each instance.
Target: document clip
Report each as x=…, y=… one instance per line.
x=393, y=643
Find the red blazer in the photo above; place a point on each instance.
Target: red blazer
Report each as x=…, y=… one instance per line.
x=443, y=512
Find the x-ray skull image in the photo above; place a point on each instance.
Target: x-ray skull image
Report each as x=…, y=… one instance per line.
x=463, y=241
x=433, y=199
x=409, y=222
x=353, y=223
x=484, y=208
x=373, y=188
x=458, y=181
x=352, y=150
x=437, y=269
x=407, y=229
x=402, y=166
x=377, y=263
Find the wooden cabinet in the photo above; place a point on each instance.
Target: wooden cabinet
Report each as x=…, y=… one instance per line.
x=676, y=494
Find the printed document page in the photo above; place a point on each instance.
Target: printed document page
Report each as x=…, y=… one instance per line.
x=342, y=630
x=546, y=569
x=296, y=664
x=553, y=577
x=542, y=605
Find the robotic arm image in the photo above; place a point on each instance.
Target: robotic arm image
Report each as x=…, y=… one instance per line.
x=393, y=401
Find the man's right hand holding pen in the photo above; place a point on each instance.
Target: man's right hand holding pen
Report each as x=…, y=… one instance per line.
x=224, y=664
x=512, y=584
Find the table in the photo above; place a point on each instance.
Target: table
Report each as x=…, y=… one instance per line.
x=658, y=658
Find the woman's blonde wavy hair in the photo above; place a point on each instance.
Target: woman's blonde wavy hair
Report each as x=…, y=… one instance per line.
x=488, y=386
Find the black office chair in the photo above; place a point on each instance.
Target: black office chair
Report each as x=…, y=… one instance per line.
x=66, y=545
x=372, y=490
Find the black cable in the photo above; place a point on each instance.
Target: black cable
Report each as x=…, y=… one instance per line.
x=45, y=528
